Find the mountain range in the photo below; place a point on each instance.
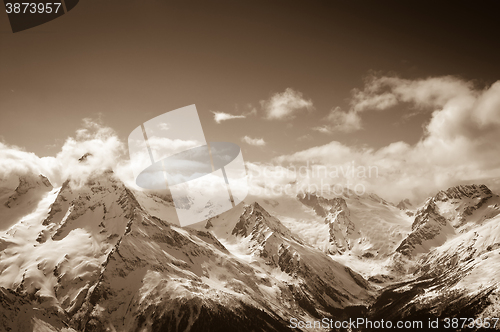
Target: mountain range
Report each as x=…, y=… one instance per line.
x=101, y=256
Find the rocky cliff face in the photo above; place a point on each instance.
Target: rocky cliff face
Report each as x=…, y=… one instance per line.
x=430, y=229
x=342, y=230
x=458, y=204
x=450, y=212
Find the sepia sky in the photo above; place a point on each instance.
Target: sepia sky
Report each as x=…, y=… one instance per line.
x=288, y=81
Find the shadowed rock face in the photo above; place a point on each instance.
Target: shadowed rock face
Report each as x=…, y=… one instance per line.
x=442, y=215
x=322, y=206
x=460, y=192
x=404, y=204
x=27, y=183
x=342, y=230
x=427, y=226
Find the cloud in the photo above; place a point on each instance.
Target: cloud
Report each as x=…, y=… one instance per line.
x=105, y=149
x=254, y=141
x=163, y=146
x=102, y=143
x=339, y=120
x=383, y=92
x=323, y=129
x=221, y=116
x=14, y=161
x=285, y=105
x=460, y=143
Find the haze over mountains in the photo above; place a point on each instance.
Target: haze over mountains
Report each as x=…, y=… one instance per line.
x=102, y=256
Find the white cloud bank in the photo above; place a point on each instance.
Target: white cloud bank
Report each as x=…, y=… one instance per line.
x=381, y=93
x=254, y=141
x=461, y=142
x=105, y=150
x=283, y=106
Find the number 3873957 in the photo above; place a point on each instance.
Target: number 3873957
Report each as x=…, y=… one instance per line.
x=32, y=8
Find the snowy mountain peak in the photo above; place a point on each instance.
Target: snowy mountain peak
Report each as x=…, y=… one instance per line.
x=426, y=213
x=464, y=191
x=321, y=205
x=467, y=204
x=255, y=219
x=27, y=182
x=14, y=203
x=342, y=230
x=451, y=211
x=102, y=194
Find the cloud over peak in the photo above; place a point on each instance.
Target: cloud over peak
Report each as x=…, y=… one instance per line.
x=102, y=146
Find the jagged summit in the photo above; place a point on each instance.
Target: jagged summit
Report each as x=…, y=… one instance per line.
x=267, y=238
x=321, y=205
x=351, y=230
x=404, y=204
x=255, y=218
x=429, y=229
x=464, y=191
x=450, y=212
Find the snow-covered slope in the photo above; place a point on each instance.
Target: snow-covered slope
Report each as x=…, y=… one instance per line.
x=330, y=284
x=456, y=210
x=458, y=279
x=100, y=257
x=457, y=234
x=360, y=225
x=55, y=254
x=19, y=196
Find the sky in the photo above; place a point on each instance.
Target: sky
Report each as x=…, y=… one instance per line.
x=408, y=87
